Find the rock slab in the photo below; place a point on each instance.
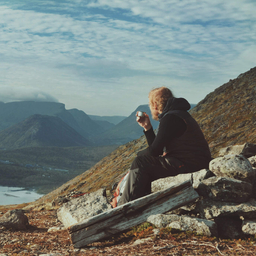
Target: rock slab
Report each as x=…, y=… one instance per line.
x=14, y=219
x=184, y=223
x=233, y=166
x=83, y=207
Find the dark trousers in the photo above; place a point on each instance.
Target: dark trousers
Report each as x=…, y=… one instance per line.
x=144, y=170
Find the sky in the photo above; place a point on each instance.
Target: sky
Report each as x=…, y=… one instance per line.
x=104, y=56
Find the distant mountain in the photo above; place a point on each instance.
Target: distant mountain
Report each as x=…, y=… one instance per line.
x=14, y=112
x=111, y=119
x=40, y=131
x=125, y=131
x=104, y=124
x=87, y=127
x=101, y=130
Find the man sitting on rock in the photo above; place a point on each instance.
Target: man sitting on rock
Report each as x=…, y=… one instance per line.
x=179, y=146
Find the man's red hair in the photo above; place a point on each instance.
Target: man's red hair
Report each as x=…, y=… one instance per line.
x=160, y=96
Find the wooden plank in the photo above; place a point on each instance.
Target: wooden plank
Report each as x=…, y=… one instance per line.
x=129, y=207
x=110, y=223
x=125, y=220
x=97, y=232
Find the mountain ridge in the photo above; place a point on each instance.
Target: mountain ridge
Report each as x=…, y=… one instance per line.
x=41, y=130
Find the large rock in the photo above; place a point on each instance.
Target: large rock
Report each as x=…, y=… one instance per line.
x=195, y=179
x=231, y=150
x=83, y=207
x=233, y=166
x=209, y=209
x=184, y=223
x=14, y=219
x=247, y=150
x=225, y=189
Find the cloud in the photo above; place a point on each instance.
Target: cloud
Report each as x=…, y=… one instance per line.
x=80, y=51
x=12, y=93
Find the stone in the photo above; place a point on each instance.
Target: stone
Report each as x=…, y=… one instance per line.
x=156, y=231
x=209, y=209
x=79, y=209
x=55, y=229
x=188, y=209
x=225, y=189
x=252, y=161
x=14, y=219
x=249, y=227
x=60, y=201
x=246, y=149
x=195, y=179
x=198, y=177
x=233, y=166
x=229, y=227
x=142, y=241
x=249, y=150
x=51, y=254
x=231, y=150
x=184, y=223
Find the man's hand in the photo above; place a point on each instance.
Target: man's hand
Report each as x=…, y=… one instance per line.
x=144, y=121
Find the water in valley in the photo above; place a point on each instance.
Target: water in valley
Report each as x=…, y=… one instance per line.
x=16, y=195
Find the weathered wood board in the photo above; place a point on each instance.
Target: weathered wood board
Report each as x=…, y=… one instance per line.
x=131, y=214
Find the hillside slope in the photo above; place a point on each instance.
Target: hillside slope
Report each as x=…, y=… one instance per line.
x=227, y=115
x=39, y=131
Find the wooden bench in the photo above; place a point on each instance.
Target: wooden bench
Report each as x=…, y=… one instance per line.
x=131, y=214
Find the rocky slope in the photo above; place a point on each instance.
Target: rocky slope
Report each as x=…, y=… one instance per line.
x=227, y=115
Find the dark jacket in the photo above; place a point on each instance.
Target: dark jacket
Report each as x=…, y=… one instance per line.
x=180, y=136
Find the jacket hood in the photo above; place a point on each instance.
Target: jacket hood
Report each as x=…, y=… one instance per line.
x=175, y=104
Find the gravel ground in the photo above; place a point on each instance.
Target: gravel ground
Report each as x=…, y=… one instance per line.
x=45, y=237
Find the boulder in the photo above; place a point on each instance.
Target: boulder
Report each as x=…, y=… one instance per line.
x=184, y=223
x=247, y=150
x=225, y=189
x=79, y=209
x=233, y=166
x=209, y=209
x=14, y=219
x=249, y=227
x=231, y=150
x=195, y=179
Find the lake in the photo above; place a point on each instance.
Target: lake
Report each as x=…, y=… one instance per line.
x=16, y=195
